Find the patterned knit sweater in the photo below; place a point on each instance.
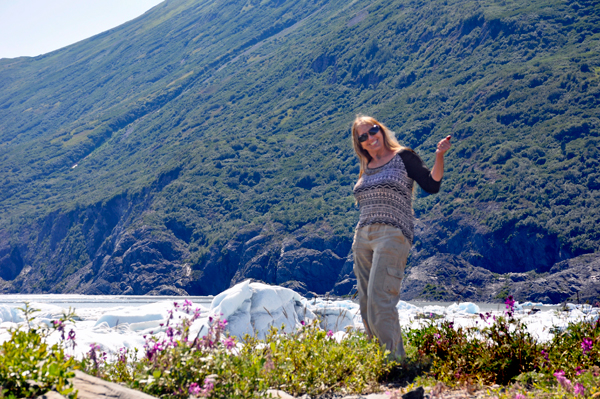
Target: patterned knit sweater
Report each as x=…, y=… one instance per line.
x=384, y=194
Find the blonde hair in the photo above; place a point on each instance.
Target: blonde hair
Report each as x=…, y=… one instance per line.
x=389, y=140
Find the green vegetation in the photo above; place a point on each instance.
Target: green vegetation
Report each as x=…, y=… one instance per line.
x=503, y=351
x=217, y=366
x=30, y=367
x=312, y=361
x=207, y=116
x=433, y=292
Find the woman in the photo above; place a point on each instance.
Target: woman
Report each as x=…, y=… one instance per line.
x=384, y=233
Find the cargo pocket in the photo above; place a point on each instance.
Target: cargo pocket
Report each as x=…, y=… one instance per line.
x=393, y=282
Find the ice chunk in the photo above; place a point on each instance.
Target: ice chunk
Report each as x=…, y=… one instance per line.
x=253, y=308
x=334, y=317
x=532, y=304
x=12, y=315
x=405, y=306
x=229, y=301
x=113, y=320
x=463, y=308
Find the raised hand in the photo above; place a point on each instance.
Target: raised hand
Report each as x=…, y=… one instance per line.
x=443, y=146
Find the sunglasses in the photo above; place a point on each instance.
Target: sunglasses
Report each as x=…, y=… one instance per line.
x=372, y=131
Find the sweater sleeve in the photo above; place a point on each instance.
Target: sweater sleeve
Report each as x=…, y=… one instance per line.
x=418, y=171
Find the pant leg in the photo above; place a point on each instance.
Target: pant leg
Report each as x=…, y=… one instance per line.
x=390, y=252
x=363, y=256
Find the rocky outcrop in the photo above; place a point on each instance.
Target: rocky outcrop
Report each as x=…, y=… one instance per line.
x=90, y=387
x=101, y=249
x=516, y=248
x=308, y=260
x=575, y=280
x=446, y=277
x=105, y=249
x=11, y=262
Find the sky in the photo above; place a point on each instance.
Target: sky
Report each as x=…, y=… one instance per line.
x=34, y=27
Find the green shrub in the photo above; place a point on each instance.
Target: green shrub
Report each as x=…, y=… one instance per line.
x=503, y=351
x=29, y=367
x=496, y=353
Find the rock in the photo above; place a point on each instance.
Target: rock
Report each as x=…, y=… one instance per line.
x=275, y=393
x=344, y=287
x=11, y=262
x=100, y=250
x=418, y=393
x=318, y=270
x=446, y=277
x=167, y=290
x=90, y=387
x=309, y=261
x=521, y=249
x=346, y=281
x=575, y=280
x=51, y=395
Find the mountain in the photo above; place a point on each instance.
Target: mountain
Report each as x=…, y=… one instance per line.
x=207, y=142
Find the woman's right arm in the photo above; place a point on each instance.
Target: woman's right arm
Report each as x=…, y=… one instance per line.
x=418, y=171
x=438, y=167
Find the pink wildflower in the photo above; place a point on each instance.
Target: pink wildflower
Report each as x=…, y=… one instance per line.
x=562, y=380
x=187, y=306
x=559, y=373
x=194, y=389
x=579, y=389
x=123, y=355
x=330, y=333
x=587, y=345
x=510, y=303
x=519, y=396
x=60, y=326
x=208, y=386
x=229, y=342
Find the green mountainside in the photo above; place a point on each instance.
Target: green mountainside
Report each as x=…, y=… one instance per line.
x=193, y=146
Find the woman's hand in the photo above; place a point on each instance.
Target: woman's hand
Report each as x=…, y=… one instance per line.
x=443, y=146
x=438, y=168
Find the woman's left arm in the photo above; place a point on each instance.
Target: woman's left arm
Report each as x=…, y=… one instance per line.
x=438, y=168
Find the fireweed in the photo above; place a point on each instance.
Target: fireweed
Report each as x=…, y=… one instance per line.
x=177, y=364
x=503, y=351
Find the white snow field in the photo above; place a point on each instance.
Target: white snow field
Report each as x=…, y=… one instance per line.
x=250, y=308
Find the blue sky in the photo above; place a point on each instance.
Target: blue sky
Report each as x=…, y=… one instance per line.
x=34, y=27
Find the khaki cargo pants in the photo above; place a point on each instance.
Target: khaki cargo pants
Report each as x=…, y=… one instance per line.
x=380, y=253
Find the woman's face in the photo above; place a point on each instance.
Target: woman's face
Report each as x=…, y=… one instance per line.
x=374, y=142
